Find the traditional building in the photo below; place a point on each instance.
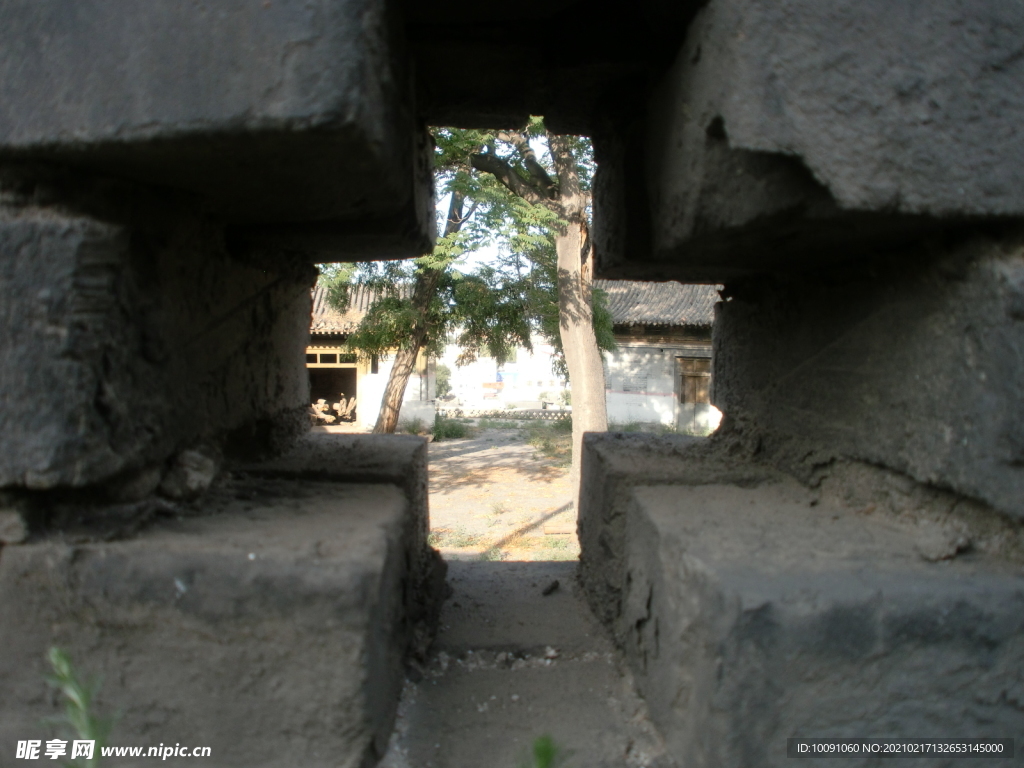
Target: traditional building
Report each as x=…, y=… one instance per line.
x=335, y=373
x=661, y=371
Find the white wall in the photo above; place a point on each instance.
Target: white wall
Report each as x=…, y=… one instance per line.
x=641, y=385
x=417, y=403
x=640, y=382
x=524, y=379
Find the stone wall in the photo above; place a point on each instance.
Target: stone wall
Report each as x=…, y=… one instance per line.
x=910, y=360
x=131, y=332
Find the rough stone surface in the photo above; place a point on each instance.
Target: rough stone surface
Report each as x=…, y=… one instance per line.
x=911, y=364
x=191, y=473
x=130, y=334
x=754, y=614
x=13, y=529
x=294, y=116
x=801, y=131
x=272, y=630
x=512, y=662
x=399, y=460
x=612, y=465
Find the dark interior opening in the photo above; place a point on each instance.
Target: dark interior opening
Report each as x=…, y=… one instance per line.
x=329, y=384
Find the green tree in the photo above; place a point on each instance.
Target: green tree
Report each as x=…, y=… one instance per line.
x=562, y=191
x=423, y=303
x=444, y=380
x=495, y=307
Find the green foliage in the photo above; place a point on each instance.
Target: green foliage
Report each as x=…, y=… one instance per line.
x=491, y=310
x=78, y=696
x=443, y=379
x=545, y=754
x=562, y=426
x=414, y=426
x=449, y=429
x=552, y=439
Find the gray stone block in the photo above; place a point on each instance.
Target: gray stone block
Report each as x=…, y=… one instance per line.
x=613, y=464
x=911, y=363
x=750, y=616
x=399, y=460
x=124, y=340
x=272, y=631
x=279, y=115
x=801, y=132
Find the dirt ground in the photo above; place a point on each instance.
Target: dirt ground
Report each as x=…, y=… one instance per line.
x=496, y=497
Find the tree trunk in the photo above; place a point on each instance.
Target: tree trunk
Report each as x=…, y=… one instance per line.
x=394, y=393
x=576, y=326
x=405, y=359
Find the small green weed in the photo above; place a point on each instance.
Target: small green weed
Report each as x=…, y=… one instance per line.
x=500, y=508
x=449, y=429
x=562, y=426
x=414, y=426
x=545, y=754
x=78, y=706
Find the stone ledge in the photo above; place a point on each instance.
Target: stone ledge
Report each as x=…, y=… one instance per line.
x=612, y=465
x=754, y=614
x=787, y=136
x=126, y=338
x=272, y=631
x=293, y=117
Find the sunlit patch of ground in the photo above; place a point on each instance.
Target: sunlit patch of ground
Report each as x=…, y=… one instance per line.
x=497, y=497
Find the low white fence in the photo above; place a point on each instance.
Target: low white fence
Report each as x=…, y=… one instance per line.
x=525, y=414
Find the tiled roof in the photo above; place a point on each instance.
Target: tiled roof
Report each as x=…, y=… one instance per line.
x=641, y=303
x=631, y=303
x=326, y=319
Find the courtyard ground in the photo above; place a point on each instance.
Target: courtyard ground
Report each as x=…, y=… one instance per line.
x=502, y=494
x=518, y=655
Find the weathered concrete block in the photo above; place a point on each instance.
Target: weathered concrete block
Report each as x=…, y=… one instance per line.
x=124, y=340
x=750, y=616
x=803, y=131
x=272, y=630
x=613, y=464
x=399, y=460
x=279, y=115
x=914, y=364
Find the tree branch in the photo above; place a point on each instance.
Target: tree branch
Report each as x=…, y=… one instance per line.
x=504, y=173
x=522, y=144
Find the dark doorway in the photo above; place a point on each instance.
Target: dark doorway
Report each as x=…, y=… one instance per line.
x=330, y=383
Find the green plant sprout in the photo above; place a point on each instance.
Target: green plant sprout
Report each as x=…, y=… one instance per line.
x=546, y=754
x=78, y=706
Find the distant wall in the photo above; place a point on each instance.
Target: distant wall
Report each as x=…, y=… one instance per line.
x=642, y=387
